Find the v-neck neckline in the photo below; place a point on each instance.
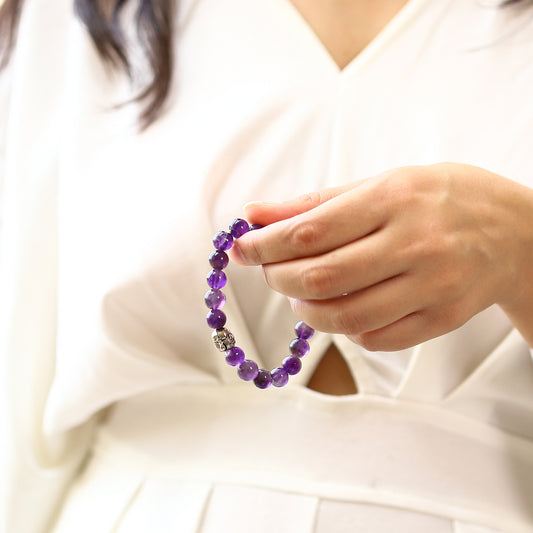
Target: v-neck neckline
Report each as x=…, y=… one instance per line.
x=391, y=29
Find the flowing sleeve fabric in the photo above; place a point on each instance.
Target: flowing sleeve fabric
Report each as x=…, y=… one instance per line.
x=38, y=466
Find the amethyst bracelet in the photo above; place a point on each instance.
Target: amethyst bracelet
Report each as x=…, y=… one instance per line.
x=224, y=340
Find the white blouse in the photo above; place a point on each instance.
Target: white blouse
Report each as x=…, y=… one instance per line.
x=106, y=231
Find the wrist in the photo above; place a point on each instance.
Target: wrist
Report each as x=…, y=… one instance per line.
x=517, y=300
x=519, y=202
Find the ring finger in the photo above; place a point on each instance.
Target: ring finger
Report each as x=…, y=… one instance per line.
x=367, y=310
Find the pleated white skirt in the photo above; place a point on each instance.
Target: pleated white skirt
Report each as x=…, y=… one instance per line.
x=219, y=459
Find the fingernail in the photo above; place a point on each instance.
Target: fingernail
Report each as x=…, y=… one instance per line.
x=258, y=204
x=294, y=302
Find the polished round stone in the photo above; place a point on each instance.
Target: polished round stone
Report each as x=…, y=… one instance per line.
x=214, y=299
x=263, y=380
x=239, y=227
x=216, y=319
x=292, y=365
x=303, y=331
x=280, y=377
x=223, y=241
x=299, y=347
x=255, y=226
x=234, y=356
x=248, y=370
x=218, y=259
x=216, y=279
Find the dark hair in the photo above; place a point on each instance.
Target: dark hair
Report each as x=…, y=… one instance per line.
x=154, y=21
x=154, y=25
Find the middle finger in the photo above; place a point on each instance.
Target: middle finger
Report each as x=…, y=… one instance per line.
x=345, y=270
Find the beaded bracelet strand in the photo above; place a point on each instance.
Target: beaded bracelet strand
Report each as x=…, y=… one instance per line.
x=247, y=369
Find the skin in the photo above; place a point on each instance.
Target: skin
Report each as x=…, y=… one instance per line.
x=400, y=258
x=345, y=27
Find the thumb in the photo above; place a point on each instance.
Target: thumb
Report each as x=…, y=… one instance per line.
x=266, y=213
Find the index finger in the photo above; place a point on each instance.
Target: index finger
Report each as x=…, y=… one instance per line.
x=341, y=219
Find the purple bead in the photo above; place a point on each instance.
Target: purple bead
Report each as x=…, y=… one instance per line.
x=303, y=331
x=234, y=356
x=299, y=347
x=280, y=377
x=248, y=370
x=214, y=299
x=223, y=241
x=216, y=279
x=218, y=259
x=292, y=365
x=263, y=380
x=216, y=319
x=239, y=227
x=255, y=226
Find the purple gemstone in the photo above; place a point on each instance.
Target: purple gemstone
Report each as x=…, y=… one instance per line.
x=214, y=299
x=292, y=365
x=223, y=241
x=218, y=259
x=239, y=227
x=263, y=380
x=216, y=279
x=255, y=226
x=303, y=331
x=280, y=377
x=299, y=347
x=216, y=319
x=234, y=356
x=248, y=370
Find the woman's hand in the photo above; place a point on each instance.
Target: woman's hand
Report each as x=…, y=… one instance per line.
x=402, y=257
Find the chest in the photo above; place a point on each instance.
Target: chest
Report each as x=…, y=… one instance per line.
x=346, y=27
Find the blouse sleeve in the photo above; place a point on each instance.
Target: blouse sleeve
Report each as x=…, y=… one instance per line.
x=38, y=466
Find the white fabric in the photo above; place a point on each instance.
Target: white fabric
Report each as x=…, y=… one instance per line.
x=106, y=234
x=431, y=463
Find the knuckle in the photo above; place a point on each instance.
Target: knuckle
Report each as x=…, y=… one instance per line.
x=304, y=236
x=348, y=323
x=452, y=316
x=370, y=341
x=311, y=199
x=450, y=242
x=450, y=284
x=317, y=281
x=383, y=341
x=398, y=189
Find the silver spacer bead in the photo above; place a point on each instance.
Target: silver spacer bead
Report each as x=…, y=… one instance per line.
x=223, y=339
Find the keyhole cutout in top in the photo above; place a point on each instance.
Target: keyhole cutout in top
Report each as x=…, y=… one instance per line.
x=332, y=375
